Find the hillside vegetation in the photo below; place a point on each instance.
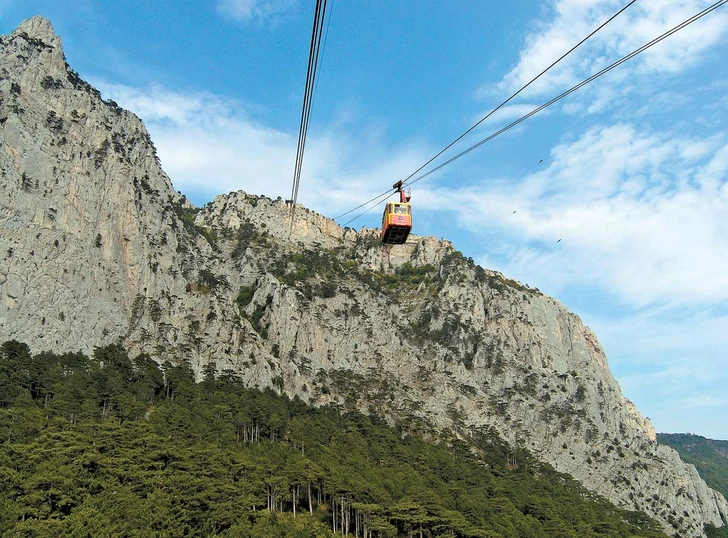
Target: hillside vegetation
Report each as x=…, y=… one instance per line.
x=108, y=445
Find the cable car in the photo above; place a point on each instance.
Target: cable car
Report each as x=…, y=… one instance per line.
x=397, y=218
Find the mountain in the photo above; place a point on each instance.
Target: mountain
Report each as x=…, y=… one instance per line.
x=709, y=456
x=97, y=248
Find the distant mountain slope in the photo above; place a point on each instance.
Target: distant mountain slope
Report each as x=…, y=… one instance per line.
x=97, y=248
x=709, y=456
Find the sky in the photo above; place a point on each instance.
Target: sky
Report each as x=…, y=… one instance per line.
x=614, y=200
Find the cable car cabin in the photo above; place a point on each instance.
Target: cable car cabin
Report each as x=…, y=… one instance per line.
x=396, y=223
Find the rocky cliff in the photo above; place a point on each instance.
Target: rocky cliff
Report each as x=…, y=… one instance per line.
x=96, y=247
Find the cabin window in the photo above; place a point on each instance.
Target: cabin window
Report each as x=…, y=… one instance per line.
x=400, y=210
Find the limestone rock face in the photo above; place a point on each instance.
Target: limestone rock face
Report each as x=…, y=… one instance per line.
x=77, y=172
x=96, y=247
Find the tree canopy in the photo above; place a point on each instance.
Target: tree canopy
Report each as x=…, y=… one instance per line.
x=110, y=445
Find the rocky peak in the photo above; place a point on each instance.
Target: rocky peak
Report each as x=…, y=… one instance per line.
x=80, y=171
x=38, y=28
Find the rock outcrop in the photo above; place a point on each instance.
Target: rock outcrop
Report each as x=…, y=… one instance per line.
x=96, y=247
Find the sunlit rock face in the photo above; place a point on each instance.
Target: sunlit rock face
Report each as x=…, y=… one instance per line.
x=96, y=247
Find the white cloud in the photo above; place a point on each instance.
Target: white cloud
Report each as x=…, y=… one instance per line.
x=572, y=20
x=642, y=214
x=211, y=146
x=258, y=10
x=238, y=9
x=156, y=104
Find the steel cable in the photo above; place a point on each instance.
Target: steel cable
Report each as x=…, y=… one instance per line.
x=593, y=77
x=313, y=62
x=451, y=144
x=578, y=86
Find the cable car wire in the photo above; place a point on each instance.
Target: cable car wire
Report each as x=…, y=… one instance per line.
x=451, y=144
x=314, y=49
x=619, y=62
x=385, y=193
x=313, y=62
x=323, y=47
x=376, y=201
x=534, y=79
x=629, y=56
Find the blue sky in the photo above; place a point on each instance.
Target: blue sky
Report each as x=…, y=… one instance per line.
x=630, y=172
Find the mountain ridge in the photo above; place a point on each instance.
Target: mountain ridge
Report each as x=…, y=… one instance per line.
x=98, y=248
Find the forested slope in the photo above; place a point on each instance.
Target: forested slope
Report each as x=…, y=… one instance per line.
x=112, y=446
